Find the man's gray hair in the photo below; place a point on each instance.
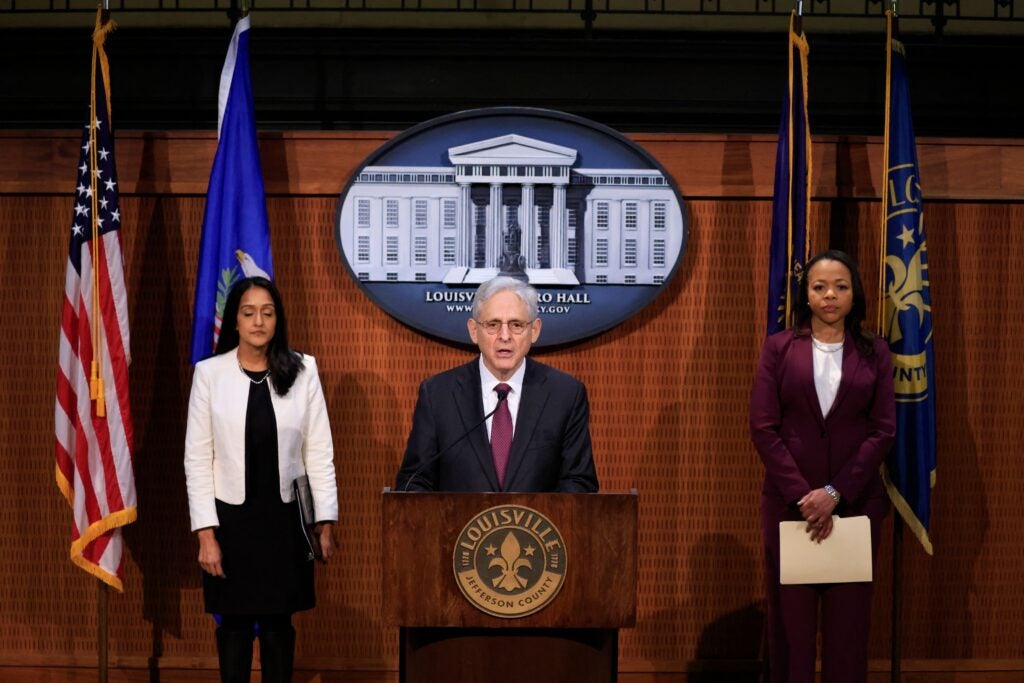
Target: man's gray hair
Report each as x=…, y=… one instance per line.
x=503, y=283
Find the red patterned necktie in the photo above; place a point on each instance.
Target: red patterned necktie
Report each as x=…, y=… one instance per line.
x=501, y=434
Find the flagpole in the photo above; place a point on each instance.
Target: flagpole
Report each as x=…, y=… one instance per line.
x=896, y=617
x=97, y=346
x=789, y=190
x=101, y=644
x=885, y=175
x=103, y=598
x=897, y=597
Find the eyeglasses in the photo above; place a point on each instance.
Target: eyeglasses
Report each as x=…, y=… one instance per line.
x=492, y=327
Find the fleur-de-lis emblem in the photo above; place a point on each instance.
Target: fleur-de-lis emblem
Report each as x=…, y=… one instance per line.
x=798, y=271
x=509, y=563
x=905, y=291
x=791, y=289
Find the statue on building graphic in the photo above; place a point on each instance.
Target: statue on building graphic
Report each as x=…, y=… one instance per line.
x=511, y=262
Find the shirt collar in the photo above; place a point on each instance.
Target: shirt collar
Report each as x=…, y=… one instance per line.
x=489, y=381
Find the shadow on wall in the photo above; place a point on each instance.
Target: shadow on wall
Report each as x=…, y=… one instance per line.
x=730, y=646
x=725, y=588
x=658, y=475
x=947, y=602
x=366, y=451
x=159, y=542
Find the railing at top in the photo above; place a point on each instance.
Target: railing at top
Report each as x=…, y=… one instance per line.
x=938, y=12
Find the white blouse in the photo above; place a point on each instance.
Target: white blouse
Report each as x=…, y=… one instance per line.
x=828, y=370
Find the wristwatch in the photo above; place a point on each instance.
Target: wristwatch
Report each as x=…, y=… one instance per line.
x=830, y=490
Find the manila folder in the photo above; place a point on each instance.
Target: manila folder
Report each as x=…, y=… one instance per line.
x=843, y=557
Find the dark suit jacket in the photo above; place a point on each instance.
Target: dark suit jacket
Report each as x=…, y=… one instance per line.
x=803, y=449
x=550, y=446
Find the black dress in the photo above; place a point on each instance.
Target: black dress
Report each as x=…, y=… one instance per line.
x=264, y=554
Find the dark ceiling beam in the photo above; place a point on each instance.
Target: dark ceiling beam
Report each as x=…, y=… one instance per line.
x=652, y=81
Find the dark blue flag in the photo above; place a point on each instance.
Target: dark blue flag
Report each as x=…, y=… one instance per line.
x=236, y=237
x=791, y=200
x=909, y=472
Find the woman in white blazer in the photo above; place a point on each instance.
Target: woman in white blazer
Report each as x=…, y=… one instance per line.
x=257, y=420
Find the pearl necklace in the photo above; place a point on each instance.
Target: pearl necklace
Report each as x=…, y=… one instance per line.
x=827, y=347
x=261, y=380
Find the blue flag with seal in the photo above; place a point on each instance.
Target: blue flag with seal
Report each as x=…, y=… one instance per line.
x=791, y=201
x=909, y=472
x=235, y=240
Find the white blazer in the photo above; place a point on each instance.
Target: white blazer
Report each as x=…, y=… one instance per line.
x=215, y=439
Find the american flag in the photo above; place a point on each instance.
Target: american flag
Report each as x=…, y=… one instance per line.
x=92, y=414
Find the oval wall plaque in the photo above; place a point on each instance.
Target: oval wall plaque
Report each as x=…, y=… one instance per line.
x=571, y=206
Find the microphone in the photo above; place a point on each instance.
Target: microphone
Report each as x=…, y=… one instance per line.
x=502, y=396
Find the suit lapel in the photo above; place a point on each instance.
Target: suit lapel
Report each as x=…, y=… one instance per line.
x=805, y=356
x=470, y=404
x=531, y=406
x=236, y=403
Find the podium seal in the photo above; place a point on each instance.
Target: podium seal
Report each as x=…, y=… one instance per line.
x=510, y=561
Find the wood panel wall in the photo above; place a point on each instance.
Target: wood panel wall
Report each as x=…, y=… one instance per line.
x=669, y=392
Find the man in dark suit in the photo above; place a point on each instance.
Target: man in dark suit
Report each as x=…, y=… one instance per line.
x=537, y=434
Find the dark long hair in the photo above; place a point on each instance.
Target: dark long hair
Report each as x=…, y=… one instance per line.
x=284, y=364
x=864, y=340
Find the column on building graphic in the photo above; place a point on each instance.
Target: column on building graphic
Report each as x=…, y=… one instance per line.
x=464, y=235
x=495, y=224
x=530, y=240
x=559, y=246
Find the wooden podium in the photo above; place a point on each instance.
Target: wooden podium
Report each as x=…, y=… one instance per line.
x=444, y=636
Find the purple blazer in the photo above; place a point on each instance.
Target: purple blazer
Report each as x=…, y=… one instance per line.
x=803, y=449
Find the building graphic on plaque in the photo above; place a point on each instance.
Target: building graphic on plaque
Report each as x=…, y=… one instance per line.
x=511, y=205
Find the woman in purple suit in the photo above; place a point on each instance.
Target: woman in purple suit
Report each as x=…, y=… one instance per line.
x=822, y=417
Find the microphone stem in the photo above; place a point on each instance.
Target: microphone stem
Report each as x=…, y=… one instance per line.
x=502, y=396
